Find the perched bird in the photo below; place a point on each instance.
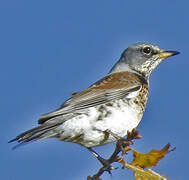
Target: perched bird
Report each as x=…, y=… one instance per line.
x=115, y=103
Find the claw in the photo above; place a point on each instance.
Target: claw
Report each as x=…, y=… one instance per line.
x=108, y=168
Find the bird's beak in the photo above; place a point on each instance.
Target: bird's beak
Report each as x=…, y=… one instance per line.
x=166, y=54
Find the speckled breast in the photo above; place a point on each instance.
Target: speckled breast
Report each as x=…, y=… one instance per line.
x=141, y=100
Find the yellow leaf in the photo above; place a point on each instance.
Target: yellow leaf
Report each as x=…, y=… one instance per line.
x=150, y=159
x=148, y=175
x=141, y=174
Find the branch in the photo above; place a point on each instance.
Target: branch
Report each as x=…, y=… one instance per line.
x=121, y=144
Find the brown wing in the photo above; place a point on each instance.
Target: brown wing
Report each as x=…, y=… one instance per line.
x=114, y=86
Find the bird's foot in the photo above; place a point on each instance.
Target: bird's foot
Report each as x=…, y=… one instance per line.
x=106, y=163
x=121, y=146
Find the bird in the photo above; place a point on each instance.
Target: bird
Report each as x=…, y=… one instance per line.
x=110, y=107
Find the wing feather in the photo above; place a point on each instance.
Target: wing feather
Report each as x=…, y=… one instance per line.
x=112, y=87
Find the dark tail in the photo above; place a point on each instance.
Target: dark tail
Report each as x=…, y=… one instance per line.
x=40, y=132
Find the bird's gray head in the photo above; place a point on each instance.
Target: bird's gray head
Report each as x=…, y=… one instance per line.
x=141, y=58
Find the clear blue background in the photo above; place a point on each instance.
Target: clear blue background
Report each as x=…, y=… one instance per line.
x=49, y=49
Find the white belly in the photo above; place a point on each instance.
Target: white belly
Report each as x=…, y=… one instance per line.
x=89, y=129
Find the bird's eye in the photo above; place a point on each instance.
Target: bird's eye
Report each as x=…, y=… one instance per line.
x=147, y=50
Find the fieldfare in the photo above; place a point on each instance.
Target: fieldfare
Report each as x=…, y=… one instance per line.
x=114, y=104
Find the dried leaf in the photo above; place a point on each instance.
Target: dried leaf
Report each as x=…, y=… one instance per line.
x=148, y=175
x=141, y=174
x=150, y=159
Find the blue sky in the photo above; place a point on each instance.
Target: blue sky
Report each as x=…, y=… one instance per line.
x=49, y=49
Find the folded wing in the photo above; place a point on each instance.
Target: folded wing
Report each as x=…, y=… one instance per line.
x=112, y=87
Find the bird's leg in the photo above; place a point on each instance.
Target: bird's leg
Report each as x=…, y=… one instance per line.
x=106, y=163
x=125, y=142
x=121, y=142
